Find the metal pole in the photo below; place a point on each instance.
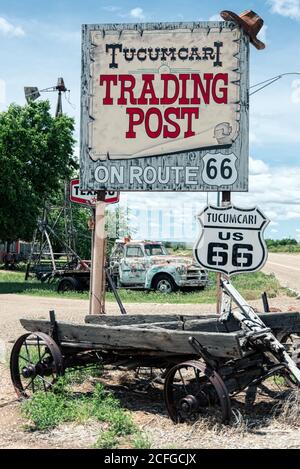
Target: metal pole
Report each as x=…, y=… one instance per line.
x=97, y=296
x=92, y=228
x=226, y=200
x=59, y=105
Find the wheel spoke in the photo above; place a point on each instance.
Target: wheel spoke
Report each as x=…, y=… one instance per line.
x=28, y=385
x=27, y=351
x=183, y=381
x=39, y=350
x=26, y=359
x=44, y=382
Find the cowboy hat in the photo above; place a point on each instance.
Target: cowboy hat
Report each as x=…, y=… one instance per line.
x=249, y=21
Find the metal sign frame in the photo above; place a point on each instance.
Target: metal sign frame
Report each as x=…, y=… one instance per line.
x=189, y=161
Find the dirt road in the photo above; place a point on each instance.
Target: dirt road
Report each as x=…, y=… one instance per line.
x=286, y=268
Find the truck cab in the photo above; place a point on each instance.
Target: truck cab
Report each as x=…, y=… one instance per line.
x=148, y=265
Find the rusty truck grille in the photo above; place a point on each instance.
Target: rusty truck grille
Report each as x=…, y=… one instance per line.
x=193, y=274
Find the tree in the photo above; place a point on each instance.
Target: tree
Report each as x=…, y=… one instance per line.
x=36, y=156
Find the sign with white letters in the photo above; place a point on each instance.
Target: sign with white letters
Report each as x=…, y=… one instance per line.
x=89, y=197
x=164, y=107
x=231, y=239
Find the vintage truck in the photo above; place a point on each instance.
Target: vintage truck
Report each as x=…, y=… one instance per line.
x=136, y=265
x=147, y=265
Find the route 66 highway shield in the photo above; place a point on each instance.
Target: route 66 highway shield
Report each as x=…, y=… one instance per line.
x=231, y=239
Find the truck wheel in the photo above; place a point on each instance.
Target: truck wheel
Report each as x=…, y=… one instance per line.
x=67, y=284
x=164, y=283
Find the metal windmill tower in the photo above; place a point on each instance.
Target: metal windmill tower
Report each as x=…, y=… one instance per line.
x=42, y=258
x=32, y=93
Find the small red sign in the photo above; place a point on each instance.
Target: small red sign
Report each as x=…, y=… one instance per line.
x=89, y=197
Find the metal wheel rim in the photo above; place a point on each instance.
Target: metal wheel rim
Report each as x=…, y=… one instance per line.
x=212, y=376
x=164, y=286
x=66, y=286
x=288, y=377
x=51, y=351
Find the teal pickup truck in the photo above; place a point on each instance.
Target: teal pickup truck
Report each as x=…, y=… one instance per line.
x=147, y=265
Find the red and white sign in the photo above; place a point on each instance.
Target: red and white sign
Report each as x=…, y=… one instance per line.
x=89, y=197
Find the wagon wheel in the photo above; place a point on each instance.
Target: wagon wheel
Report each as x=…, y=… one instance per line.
x=35, y=364
x=291, y=343
x=192, y=389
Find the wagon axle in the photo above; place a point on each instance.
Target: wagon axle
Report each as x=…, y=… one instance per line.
x=43, y=368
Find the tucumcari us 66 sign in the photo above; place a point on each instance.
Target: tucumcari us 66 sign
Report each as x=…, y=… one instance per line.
x=231, y=239
x=164, y=107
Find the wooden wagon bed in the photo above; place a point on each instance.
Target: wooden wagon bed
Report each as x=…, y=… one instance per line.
x=162, y=334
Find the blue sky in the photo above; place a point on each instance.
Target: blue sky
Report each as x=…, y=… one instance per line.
x=41, y=41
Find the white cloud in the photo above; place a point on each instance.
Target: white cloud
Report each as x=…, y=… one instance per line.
x=8, y=29
x=275, y=190
x=295, y=96
x=172, y=216
x=111, y=8
x=257, y=167
x=216, y=17
x=288, y=8
x=2, y=93
x=262, y=35
x=137, y=13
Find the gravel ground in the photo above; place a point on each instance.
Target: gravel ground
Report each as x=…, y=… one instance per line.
x=149, y=413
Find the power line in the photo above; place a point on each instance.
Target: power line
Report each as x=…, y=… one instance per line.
x=269, y=81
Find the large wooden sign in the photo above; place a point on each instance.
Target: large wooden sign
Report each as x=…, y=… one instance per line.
x=231, y=239
x=164, y=107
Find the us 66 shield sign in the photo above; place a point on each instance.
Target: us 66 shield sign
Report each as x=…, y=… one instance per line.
x=231, y=239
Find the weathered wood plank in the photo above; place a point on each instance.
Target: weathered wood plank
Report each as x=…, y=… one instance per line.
x=140, y=318
x=276, y=321
x=162, y=340
x=209, y=323
x=281, y=320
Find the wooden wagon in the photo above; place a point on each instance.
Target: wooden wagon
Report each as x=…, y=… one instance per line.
x=205, y=359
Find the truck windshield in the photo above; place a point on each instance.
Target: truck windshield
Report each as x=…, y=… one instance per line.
x=155, y=250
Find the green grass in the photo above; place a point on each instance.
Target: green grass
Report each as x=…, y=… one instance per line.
x=45, y=411
x=288, y=249
x=249, y=285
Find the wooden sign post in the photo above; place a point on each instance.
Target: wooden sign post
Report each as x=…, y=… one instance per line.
x=97, y=292
x=225, y=200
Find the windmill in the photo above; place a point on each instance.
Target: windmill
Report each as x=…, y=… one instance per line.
x=32, y=93
x=42, y=258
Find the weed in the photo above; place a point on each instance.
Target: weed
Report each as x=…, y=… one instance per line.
x=122, y=423
x=48, y=410
x=107, y=440
x=141, y=441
